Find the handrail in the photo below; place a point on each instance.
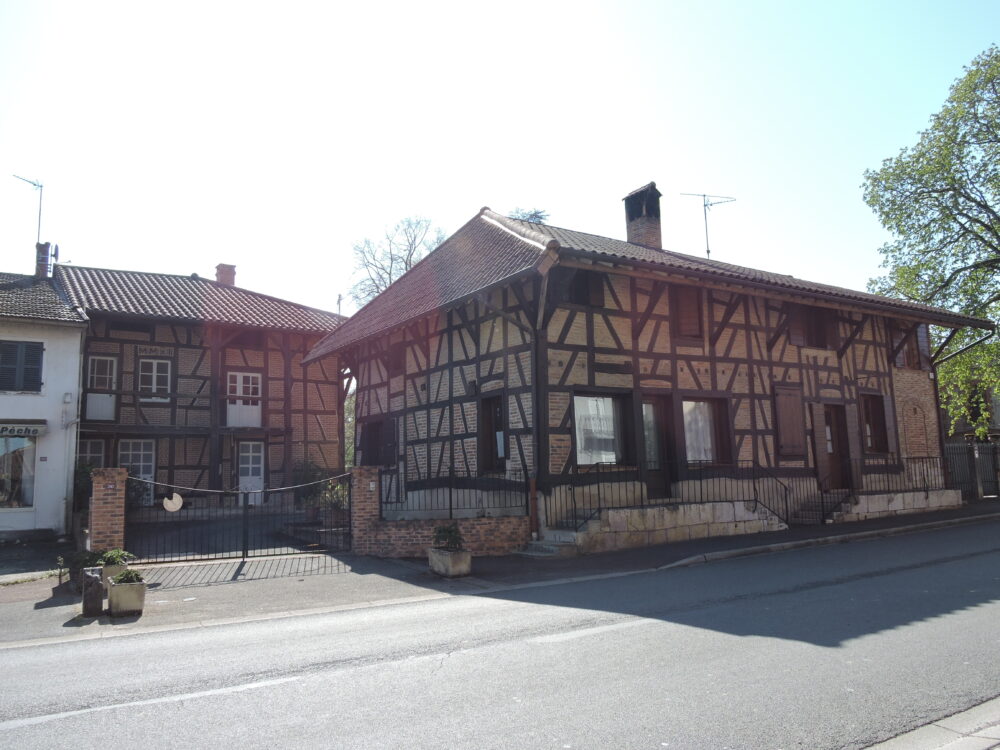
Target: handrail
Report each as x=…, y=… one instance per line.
x=787, y=489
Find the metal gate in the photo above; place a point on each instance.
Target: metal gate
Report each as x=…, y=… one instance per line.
x=974, y=469
x=182, y=523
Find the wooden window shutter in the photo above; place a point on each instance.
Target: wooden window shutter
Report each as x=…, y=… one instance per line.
x=8, y=366
x=687, y=308
x=832, y=320
x=797, y=321
x=790, y=420
x=896, y=337
x=924, y=346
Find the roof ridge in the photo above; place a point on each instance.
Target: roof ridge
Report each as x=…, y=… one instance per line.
x=526, y=233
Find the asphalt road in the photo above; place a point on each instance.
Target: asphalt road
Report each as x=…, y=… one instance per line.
x=831, y=647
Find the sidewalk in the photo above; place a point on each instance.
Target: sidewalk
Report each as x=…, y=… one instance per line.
x=198, y=594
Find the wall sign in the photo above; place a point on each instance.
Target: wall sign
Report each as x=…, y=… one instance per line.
x=8, y=429
x=155, y=351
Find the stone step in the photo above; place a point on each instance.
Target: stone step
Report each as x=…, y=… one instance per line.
x=548, y=549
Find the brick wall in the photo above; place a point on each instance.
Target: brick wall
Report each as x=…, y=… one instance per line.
x=107, y=509
x=372, y=536
x=916, y=413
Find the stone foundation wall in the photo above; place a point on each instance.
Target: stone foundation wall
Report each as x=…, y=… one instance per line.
x=639, y=527
x=900, y=503
x=370, y=535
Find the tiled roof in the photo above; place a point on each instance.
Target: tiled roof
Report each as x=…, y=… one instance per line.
x=492, y=247
x=37, y=299
x=478, y=255
x=185, y=298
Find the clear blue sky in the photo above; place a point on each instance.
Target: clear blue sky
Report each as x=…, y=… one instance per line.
x=172, y=137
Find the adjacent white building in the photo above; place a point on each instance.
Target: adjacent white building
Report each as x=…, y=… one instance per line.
x=41, y=346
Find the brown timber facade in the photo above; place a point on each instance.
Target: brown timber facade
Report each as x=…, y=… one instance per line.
x=620, y=375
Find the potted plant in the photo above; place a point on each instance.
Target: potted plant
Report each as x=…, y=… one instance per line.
x=447, y=557
x=127, y=594
x=113, y=562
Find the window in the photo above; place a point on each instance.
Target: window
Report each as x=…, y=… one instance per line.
x=587, y=288
x=685, y=312
x=789, y=420
x=599, y=429
x=249, y=339
x=816, y=327
x=154, y=379
x=705, y=438
x=378, y=442
x=397, y=360
x=21, y=366
x=915, y=346
x=90, y=453
x=876, y=439
x=492, y=438
x=138, y=457
x=17, y=472
x=101, y=373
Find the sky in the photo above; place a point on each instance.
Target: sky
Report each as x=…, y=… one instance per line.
x=171, y=137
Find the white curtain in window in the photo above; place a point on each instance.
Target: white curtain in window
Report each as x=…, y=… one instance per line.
x=698, y=431
x=598, y=430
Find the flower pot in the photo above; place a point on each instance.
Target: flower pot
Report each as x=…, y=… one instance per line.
x=108, y=572
x=126, y=598
x=450, y=563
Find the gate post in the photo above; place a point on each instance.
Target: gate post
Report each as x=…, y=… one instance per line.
x=107, y=509
x=366, y=507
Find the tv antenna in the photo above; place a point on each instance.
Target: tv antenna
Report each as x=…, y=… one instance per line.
x=39, y=187
x=707, y=201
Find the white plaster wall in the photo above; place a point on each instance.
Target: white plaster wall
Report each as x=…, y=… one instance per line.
x=55, y=451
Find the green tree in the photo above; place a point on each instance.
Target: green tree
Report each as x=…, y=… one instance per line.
x=940, y=200
x=381, y=262
x=534, y=215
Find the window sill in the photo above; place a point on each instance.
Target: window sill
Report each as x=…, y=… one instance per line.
x=17, y=510
x=153, y=400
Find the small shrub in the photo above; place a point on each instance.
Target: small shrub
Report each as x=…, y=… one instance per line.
x=128, y=576
x=79, y=560
x=448, y=537
x=116, y=557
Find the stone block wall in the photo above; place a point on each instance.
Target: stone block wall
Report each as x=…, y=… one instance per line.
x=624, y=528
x=107, y=509
x=900, y=503
x=370, y=535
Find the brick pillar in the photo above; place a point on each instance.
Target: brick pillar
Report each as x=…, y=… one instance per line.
x=107, y=508
x=365, y=514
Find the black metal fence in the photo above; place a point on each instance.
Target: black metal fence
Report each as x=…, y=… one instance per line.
x=590, y=489
x=454, y=495
x=167, y=523
x=973, y=467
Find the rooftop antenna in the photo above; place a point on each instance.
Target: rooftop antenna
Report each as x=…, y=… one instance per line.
x=707, y=201
x=339, y=297
x=39, y=187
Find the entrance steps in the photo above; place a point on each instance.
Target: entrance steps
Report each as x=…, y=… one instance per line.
x=545, y=548
x=810, y=510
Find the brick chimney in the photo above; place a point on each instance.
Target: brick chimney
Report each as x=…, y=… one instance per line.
x=225, y=274
x=43, y=260
x=642, y=216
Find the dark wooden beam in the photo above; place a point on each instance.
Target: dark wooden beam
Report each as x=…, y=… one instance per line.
x=902, y=342
x=503, y=314
x=855, y=332
x=734, y=303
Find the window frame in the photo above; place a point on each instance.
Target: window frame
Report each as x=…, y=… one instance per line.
x=721, y=429
x=874, y=424
x=155, y=394
x=814, y=327
x=20, y=366
x=94, y=358
x=27, y=463
x=490, y=426
x=623, y=433
x=91, y=442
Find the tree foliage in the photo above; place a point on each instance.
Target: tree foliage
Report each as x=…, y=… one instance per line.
x=381, y=262
x=534, y=215
x=940, y=199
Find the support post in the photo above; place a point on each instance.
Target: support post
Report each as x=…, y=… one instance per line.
x=107, y=509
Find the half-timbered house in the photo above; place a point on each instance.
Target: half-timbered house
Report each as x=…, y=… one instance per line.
x=650, y=394
x=197, y=383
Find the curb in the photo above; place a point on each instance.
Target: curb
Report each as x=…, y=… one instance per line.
x=853, y=536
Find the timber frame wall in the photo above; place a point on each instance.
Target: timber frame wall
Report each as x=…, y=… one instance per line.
x=301, y=406
x=499, y=341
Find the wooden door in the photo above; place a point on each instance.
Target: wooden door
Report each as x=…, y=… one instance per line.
x=655, y=418
x=835, y=445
